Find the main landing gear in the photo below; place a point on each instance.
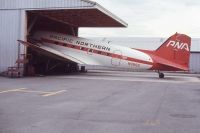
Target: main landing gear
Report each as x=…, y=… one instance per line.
x=83, y=70
x=161, y=75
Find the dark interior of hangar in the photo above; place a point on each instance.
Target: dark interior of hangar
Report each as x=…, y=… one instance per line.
x=40, y=62
x=37, y=22
x=45, y=64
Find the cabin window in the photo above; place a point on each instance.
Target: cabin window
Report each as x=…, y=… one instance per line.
x=90, y=50
x=99, y=52
x=56, y=43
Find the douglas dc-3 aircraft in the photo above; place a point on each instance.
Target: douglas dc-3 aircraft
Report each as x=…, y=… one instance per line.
x=172, y=55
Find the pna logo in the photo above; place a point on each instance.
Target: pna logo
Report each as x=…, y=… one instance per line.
x=178, y=45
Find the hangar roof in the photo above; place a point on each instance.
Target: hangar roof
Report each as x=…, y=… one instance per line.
x=80, y=13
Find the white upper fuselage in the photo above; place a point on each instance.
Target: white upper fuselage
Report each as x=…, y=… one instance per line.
x=95, y=52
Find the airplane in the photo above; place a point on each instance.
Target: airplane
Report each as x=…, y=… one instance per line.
x=172, y=55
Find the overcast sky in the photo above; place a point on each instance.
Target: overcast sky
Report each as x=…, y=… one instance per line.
x=150, y=18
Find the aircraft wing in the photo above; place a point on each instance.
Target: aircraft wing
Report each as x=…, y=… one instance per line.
x=48, y=50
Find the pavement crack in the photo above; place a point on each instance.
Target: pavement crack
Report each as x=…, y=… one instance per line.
x=160, y=103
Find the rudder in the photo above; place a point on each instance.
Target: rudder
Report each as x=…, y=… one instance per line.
x=176, y=49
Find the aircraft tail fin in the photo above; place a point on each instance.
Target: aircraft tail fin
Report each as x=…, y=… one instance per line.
x=176, y=49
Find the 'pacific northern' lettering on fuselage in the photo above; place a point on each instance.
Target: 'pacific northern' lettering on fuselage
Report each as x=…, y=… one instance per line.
x=93, y=45
x=61, y=38
x=81, y=43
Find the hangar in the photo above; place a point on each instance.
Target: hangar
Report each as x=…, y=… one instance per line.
x=20, y=18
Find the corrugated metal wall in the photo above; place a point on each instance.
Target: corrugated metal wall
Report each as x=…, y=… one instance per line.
x=12, y=28
x=24, y=4
x=195, y=62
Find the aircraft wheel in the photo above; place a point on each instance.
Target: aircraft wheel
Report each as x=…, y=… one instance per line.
x=161, y=75
x=83, y=70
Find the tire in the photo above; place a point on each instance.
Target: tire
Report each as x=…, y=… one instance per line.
x=161, y=75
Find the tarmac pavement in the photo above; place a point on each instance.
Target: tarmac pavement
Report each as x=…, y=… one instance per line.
x=101, y=102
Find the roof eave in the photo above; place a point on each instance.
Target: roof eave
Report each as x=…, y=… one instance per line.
x=107, y=12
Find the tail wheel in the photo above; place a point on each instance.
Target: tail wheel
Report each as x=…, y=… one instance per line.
x=161, y=75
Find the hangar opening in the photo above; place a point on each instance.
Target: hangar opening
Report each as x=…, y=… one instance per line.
x=41, y=62
x=65, y=21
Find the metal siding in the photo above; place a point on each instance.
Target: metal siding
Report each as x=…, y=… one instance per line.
x=26, y=4
x=195, y=63
x=195, y=44
x=10, y=25
x=56, y=4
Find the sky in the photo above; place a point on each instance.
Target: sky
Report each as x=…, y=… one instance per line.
x=150, y=18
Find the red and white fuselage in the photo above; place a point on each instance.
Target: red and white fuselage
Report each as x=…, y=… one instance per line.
x=172, y=55
x=92, y=52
